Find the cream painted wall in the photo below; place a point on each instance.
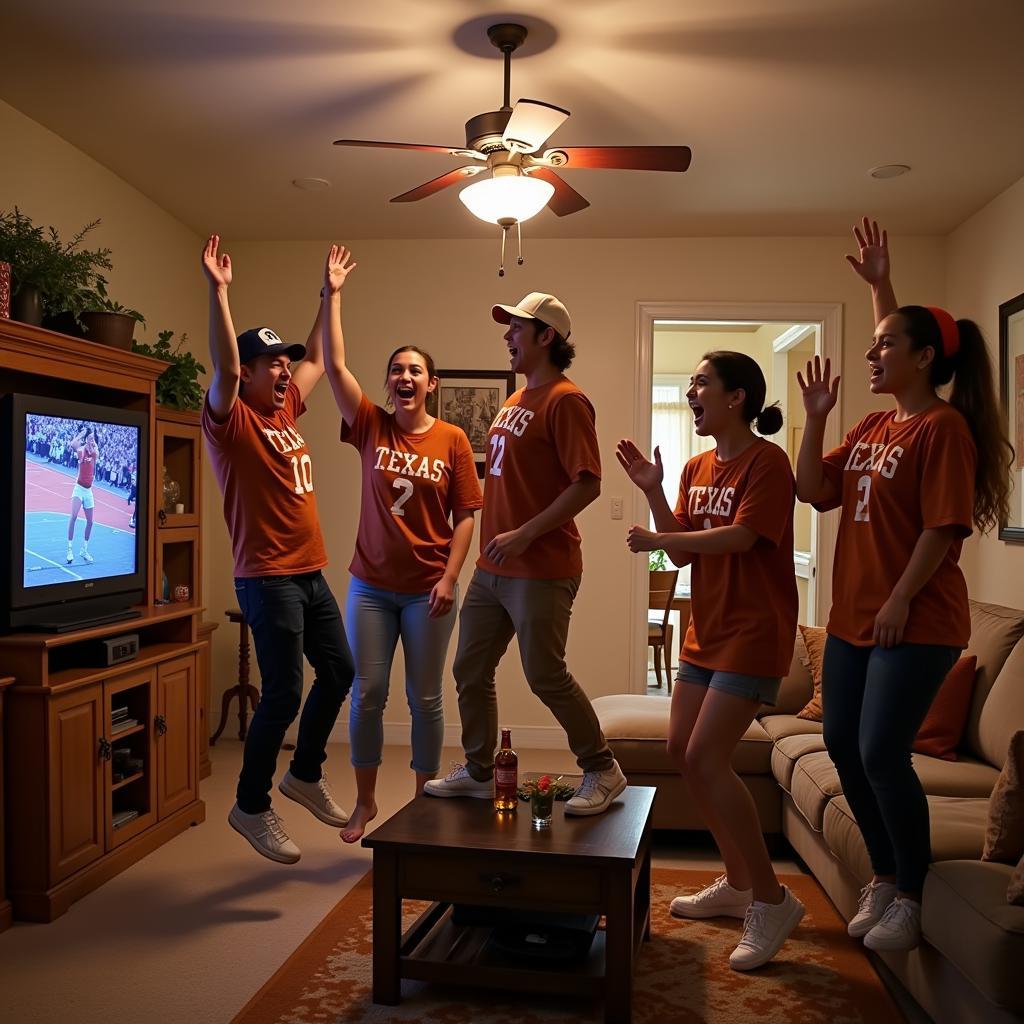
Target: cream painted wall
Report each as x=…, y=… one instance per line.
x=985, y=267
x=439, y=294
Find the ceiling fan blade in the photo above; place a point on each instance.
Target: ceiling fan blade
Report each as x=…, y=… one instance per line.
x=428, y=188
x=630, y=158
x=532, y=123
x=397, y=145
x=566, y=199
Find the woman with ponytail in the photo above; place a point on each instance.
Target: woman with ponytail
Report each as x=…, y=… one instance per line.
x=734, y=524
x=912, y=483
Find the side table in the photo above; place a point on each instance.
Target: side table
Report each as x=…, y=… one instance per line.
x=244, y=690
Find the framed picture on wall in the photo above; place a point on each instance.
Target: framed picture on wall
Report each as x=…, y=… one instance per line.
x=471, y=399
x=1011, y=385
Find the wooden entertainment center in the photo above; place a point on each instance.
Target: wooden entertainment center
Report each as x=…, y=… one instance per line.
x=102, y=762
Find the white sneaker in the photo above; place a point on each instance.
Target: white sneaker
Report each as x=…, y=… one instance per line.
x=899, y=929
x=85, y=554
x=875, y=897
x=265, y=835
x=719, y=899
x=458, y=782
x=597, y=791
x=765, y=928
x=315, y=797
x=70, y=557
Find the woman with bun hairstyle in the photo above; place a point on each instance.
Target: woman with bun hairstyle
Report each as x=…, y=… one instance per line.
x=912, y=482
x=419, y=495
x=733, y=524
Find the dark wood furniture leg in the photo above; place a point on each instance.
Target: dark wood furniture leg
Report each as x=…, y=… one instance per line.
x=245, y=692
x=619, y=946
x=387, y=924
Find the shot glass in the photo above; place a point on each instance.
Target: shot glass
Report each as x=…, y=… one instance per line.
x=541, y=804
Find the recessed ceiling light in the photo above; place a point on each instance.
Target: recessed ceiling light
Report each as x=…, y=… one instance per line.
x=889, y=170
x=311, y=184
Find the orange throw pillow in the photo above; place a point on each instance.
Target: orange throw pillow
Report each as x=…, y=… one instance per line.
x=1004, y=837
x=814, y=645
x=940, y=732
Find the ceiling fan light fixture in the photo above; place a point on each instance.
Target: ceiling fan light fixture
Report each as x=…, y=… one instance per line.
x=514, y=198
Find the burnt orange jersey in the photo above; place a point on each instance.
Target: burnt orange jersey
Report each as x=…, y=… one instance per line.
x=896, y=480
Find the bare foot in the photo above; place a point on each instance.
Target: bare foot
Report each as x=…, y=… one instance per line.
x=361, y=816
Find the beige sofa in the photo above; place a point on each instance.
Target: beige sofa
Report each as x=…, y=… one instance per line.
x=970, y=966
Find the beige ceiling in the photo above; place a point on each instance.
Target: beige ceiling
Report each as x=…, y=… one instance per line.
x=212, y=109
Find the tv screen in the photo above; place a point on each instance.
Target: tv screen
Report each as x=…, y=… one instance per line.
x=73, y=523
x=81, y=486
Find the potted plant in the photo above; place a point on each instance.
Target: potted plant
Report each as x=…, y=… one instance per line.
x=104, y=320
x=178, y=386
x=658, y=561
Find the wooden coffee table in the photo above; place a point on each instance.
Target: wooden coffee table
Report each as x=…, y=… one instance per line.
x=461, y=851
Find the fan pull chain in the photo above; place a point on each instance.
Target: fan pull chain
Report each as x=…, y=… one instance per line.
x=519, y=233
x=504, y=235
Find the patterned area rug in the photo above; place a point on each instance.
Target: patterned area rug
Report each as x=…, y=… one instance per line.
x=821, y=976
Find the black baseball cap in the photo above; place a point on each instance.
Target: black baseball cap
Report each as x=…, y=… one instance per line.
x=262, y=341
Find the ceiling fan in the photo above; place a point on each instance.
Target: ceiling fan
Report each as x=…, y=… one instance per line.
x=507, y=143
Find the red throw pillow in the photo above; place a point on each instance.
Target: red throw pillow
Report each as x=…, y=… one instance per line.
x=943, y=726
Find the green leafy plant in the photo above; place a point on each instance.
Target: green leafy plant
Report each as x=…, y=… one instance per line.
x=658, y=561
x=64, y=272
x=178, y=386
x=96, y=300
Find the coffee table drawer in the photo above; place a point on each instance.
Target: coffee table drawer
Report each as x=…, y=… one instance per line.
x=497, y=881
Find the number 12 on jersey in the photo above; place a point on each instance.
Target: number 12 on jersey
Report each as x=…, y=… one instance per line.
x=497, y=453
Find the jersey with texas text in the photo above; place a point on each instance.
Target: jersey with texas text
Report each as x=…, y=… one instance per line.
x=894, y=481
x=743, y=605
x=542, y=440
x=412, y=484
x=265, y=472
x=86, y=465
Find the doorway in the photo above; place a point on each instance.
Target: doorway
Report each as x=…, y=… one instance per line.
x=671, y=340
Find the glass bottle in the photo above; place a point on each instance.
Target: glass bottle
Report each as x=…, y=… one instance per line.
x=506, y=775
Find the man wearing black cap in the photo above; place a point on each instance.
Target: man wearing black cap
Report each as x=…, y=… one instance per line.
x=265, y=472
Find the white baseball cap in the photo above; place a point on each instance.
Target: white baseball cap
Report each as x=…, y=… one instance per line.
x=537, y=306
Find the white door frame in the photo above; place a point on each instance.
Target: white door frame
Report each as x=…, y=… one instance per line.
x=828, y=316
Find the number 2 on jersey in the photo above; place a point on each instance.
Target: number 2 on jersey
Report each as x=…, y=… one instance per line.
x=405, y=486
x=860, y=514
x=497, y=453
x=303, y=483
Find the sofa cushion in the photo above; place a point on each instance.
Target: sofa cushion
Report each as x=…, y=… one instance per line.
x=787, y=750
x=1004, y=837
x=994, y=632
x=636, y=727
x=778, y=726
x=1003, y=712
x=957, y=832
x=965, y=916
x=943, y=726
x=814, y=647
x=815, y=782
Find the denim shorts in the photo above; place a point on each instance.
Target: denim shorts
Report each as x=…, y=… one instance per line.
x=762, y=688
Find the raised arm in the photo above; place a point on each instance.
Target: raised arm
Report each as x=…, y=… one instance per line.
x=76, y=443
x=873, y=266
x=223, y=391
x=310, y=369
x=820, y=395
x=347, y=392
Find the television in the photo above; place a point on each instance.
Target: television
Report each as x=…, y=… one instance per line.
x=73, y=525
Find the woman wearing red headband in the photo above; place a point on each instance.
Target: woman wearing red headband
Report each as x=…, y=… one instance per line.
x=911, y=482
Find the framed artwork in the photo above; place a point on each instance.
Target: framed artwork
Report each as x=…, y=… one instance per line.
x=471, y=399
x=1011, y=385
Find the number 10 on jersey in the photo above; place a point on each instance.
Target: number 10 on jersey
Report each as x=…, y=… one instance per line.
x=303, y=471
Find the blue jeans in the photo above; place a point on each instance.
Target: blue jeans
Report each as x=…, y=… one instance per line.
x=377, y=618
x=290, y=616
x=874, y=700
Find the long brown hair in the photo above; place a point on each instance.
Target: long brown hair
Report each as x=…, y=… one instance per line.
x=974, y=396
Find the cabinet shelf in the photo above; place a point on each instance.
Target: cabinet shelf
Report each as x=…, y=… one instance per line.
x=121, y=734
x=127, y=782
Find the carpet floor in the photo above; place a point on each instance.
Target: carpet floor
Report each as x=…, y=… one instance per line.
x=820, y=976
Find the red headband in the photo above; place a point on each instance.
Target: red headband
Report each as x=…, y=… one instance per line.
x=948, y=329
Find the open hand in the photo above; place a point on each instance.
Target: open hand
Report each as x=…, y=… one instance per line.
x=217, y=267
x=645, y=474
x=819, y=392
x=337, y=268
x=873, y=265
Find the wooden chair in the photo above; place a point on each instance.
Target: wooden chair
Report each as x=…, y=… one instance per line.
x=659, y=629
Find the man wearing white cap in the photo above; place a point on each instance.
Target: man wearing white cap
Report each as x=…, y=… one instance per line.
x=543, y=468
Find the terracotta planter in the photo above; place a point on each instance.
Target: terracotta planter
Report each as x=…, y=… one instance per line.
x=114, y=329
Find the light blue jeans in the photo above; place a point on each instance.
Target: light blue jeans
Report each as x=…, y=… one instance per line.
x=376, y=619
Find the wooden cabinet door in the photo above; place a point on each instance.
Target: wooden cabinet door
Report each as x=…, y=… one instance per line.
x=135, y=794
x=76, y=780
x=177, y=752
